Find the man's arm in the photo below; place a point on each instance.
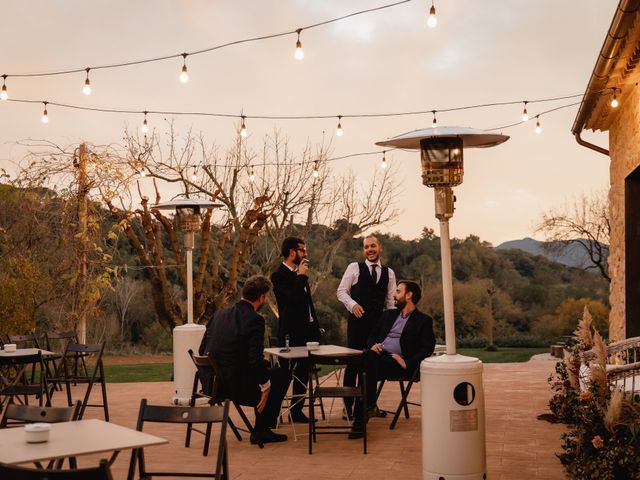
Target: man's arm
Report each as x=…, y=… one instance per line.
x=427, y=343
x=391, y=290
x=344, y=289
x=287, y=290
x=256, y=350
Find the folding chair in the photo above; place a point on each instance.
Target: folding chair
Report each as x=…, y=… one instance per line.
x=209, y=377
x=101, y=472
x=359, y=392
x=14, y=383
x=404, y=395
x=91, y=354
x=184, y=415
x=57, y=342
x=29, y=340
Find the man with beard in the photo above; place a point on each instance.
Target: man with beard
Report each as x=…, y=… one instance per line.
x=402, y=338
x=297, y=321
x=234, y=339
x=366, y=289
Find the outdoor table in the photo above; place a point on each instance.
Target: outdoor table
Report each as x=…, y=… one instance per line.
x=23, y=352
x=70, y=439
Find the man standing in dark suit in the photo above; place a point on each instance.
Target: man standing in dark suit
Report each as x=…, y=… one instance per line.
x=402, y=338
x=235, y=338
x=297, y=321
x=366, y=289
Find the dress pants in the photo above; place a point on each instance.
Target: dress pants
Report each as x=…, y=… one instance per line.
x=358, y=330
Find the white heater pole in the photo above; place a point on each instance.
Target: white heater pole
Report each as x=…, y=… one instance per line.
x=447, y=287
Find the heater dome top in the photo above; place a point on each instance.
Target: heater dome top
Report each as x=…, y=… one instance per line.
x=471, y=137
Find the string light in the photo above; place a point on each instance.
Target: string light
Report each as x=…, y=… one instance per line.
x=525, y=114
x=538, y=127
x=432, y=22
x=252, y=176
x=86, y=88
x=614, y=100
x=243, y=128
x=339, y=131
x=316, y=174
x=4, y=95
x=45, y=115
x=434, y=124
x=143, y=173
x=194, y=175
x=299, y=53
x=145, y=124
x=184, y=75
x=384, y=165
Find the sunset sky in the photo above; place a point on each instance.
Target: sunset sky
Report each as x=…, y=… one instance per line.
x=386, y=61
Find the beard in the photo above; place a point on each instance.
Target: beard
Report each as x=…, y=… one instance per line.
x=401, y=303
x=298, y=259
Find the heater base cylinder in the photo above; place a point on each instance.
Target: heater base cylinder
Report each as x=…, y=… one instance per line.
x=453, y=432
x=185, y=337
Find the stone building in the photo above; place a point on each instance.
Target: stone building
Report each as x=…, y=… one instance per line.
x=616, y=76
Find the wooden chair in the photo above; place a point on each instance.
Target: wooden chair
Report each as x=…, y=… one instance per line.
x=29, y=340
x=183, y=415
x=319, y=392
x=14, y=383
x=101, y=472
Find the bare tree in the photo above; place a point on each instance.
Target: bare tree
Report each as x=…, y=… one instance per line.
x=125, y=290
x=584, y=222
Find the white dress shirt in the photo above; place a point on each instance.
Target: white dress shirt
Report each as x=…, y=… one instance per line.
x=350, y=278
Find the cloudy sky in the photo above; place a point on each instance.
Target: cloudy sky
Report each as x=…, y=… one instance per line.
x=387, y=61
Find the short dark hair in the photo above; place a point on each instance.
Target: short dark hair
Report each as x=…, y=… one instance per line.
x=288, y=244
x=414, y=288
x=255, y=286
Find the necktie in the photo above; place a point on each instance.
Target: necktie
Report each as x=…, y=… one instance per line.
x=374, y=273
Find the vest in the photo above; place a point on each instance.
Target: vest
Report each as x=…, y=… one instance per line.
x=371, y=296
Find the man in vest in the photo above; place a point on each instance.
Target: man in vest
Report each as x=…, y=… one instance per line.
x=366, y=289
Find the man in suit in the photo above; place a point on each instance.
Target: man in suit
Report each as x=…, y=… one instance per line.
x=402, y=338
x=366, y=289
x=235, y=338
x=297, y=316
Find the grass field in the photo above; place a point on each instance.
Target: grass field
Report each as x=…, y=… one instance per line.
x=161, y=372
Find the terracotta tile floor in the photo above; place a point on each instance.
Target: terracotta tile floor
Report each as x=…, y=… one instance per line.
x=518, y=445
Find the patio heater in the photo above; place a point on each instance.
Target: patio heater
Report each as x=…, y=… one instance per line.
x=189, y=335
x=453, y=439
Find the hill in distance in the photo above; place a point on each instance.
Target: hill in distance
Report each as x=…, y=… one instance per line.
x=572, y=255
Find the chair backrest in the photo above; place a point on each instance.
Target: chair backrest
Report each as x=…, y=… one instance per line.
x=31, y=338
x=337, y=360
x=208, y=372
x=32, y=413
x=87, y=353
x=101, y=472
x=60, y=339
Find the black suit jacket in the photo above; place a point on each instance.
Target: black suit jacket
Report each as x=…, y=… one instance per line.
x=417, y=341
x=235, y=339
x=294, y=304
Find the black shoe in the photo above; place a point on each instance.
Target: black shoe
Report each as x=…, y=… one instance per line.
x=299, y=417
x=356, y=432
x=267, y=436
x=375, y=412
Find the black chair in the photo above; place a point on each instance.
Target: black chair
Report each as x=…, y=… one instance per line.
x=14, y=383
x=183, y=415
x=359, y=392
x=209, y=377
x=404, y=395
x=57, y=342
x=29, y=340
x=101, y=472
x=91, y=355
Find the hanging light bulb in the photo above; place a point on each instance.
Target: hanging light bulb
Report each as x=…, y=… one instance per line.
x=299, y=53
x=525, y=114
x=339, y=131
x=316, y=173
x=4, y=95
x=252, y=176
x=45, y=114
x=384, y=165
x=145, y=125
x=434, y=124
x=538, y=127
x=86, y=88
x=243, y=129
x=194, y=175
x=614, y=100
x=143, y=173
x=184, y=75
x=432, y=22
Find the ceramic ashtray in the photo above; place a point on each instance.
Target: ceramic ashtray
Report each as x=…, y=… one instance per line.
x=37, y=432
x=312, y=345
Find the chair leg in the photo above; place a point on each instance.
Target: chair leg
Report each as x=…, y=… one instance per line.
x=234, y=429
x=403, y=405
x=207, y=439
x=404, y=396
x=103, y=384
x=315, y=374
x=379, y=390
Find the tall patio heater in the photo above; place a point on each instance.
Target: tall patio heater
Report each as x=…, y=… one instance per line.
x=188, y=335
x=453, y=440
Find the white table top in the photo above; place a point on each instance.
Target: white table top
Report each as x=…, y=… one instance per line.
x=22, y=352
x=72, y=438
x=303, y=352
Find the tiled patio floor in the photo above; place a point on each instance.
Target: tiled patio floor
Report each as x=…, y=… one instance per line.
x=518, y=445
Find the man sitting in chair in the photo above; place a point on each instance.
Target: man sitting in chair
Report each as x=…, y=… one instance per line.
x=234, y=338
x=402, y=338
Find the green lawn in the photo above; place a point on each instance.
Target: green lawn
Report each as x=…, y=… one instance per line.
x=161, y=372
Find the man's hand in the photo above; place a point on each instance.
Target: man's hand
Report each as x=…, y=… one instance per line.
x=303, y=268
x=377, y=348
x=399, y=359
x=357, y=310
x=263, y=400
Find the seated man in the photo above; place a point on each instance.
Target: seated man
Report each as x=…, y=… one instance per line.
x=234, y=338
x=402, y=338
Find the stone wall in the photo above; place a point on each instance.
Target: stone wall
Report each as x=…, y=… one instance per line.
x=624, y=139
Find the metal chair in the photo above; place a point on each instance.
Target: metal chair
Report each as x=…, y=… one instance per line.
x=319, y=392
x=183, y=415
x=29, y=340
x=14, y=383
x=101, y=472
x=404, y=395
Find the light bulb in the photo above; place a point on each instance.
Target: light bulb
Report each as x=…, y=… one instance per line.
x=538, y=127
x=525, y=114
x=4, y=95
x=86, y=88
x=252, y=177
x=243, y=129
x=143, y=173
x=184, y=75
x=316, y=174
x=194, y=176
x=145, y=125
x=383, y=165
x=339, y=131
x=434, y=124
x=614, y=100
x=45, y=115
x=299, y=53
x=432, y=22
